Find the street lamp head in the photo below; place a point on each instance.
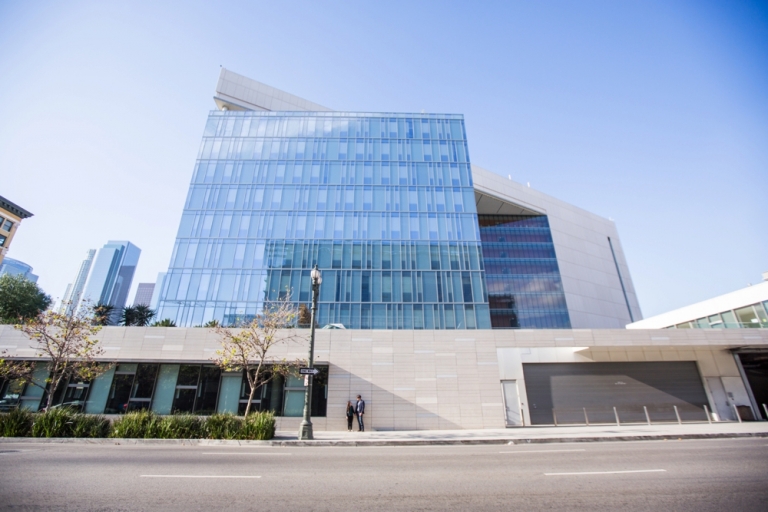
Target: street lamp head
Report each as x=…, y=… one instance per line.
x=316, y=275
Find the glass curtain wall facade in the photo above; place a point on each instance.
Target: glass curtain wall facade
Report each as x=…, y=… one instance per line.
x=382, y=203
x=524, y=286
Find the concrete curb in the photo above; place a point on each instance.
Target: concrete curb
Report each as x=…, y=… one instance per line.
x=380, y=442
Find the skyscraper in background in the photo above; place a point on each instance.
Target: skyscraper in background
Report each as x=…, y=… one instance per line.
x=64, y=304
x=74, y=291
x=144, y=294
x=156, y=291
x=16, y=267
x=111, y=276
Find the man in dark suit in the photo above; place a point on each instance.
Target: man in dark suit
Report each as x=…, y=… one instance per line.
x=359, y=411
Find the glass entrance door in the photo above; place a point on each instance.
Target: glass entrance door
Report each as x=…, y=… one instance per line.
x=513, y=416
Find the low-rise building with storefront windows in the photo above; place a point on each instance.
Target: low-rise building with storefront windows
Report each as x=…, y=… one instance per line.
x=743, y=309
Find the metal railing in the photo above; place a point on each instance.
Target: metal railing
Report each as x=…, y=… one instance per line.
x=643, y=414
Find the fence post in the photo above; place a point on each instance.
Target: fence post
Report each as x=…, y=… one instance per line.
x=679, y=421
x=738, y=416
x=586, y=418
x=647, y=416
x=554, y=416
x=616, y=413
x=706, y=411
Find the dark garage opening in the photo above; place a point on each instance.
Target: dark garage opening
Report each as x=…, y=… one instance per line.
x=563, y=391
x=756, y=369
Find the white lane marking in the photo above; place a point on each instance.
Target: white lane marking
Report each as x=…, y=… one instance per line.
x=197, y=476
x=244, y=453
x=546, y=451
x=609, y=472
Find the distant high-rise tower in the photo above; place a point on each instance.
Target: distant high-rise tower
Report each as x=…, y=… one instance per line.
x=65, y=298
x=74, y=291
x=156, y=291
x=144, y=294
x=112, y=275
x=16, y=267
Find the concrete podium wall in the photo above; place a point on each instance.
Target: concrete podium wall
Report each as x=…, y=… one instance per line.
x=430, y=379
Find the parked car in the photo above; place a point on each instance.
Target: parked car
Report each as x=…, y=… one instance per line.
x=10, y=402
x=76, y=406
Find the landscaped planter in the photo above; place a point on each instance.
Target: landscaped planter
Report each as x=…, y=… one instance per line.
x=137, y=425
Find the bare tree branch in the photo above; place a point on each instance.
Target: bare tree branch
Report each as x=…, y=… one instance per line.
x=65, y=343
x=248, y=347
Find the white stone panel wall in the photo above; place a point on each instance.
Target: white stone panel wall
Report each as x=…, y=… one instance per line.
x=591, y=284
x=430, y=379
x=238, y=92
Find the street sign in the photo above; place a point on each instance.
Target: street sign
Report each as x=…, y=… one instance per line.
x=308, y=371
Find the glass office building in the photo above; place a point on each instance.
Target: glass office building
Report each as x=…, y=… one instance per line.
x=383, y=203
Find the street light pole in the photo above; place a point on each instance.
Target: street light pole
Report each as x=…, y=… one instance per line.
x=305, y=430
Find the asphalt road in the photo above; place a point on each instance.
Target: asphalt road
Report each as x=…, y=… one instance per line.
x=650, y=475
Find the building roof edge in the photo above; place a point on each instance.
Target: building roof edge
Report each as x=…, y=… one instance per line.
x=14, y=208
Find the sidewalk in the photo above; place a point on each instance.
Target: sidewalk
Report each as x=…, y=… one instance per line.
x=520, y=435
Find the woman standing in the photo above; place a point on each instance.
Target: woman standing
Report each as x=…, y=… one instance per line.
x=350, y=414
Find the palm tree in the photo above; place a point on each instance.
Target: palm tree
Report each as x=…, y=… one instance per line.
x=167, y=322
x=211, y=323
x=143, y=315
x=102, y=314
x=128, y=316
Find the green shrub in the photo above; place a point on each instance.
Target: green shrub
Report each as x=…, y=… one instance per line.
x=181, y=426
x=65, y=422
x=137, y=425
x=259, y=425
x=17, y=423
x=90, y=425
x=57, y=422
x=223, y=426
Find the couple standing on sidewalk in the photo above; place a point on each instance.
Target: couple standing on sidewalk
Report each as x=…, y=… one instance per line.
x=357, y=409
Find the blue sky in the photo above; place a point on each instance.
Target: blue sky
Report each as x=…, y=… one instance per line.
x=652, y=113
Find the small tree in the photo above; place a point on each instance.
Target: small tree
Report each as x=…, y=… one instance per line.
x=305, y=317
x=20, y=299
x=248, y=348
x=66, y=344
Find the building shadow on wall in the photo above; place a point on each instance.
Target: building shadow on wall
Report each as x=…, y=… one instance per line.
x=394, y=409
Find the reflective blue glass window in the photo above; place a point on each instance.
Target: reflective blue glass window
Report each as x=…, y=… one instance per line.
x=523, y=279
x=383, y=204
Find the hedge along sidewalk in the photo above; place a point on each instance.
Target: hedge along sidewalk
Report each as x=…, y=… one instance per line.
x=67, y=424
